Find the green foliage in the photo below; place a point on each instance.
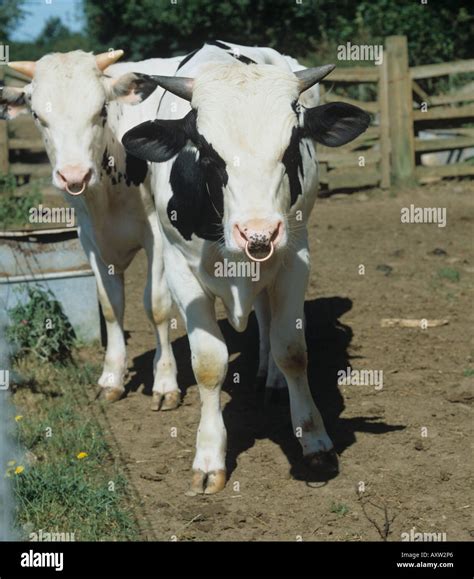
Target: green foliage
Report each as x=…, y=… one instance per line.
x=314, y=28
x=14, y=209
x=311, y=30
x=40, y=327
x=145, y=28
x=55, y=37
x=436, y=32
x=57, y=490
x=449, y=273
x=11, y=11
x=340, y=509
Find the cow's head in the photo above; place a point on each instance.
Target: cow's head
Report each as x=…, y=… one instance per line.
x=67, y=97
x=247, y=124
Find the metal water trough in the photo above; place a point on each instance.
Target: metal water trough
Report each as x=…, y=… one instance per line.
x=53, y=259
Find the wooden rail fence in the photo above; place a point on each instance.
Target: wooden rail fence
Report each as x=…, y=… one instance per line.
x=388, y=153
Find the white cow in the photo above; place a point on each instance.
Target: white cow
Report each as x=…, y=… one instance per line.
x=235, y=181
x=78, y=101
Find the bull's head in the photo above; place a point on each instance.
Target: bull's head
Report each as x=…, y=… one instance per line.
x=67, y=97
x=250, y=129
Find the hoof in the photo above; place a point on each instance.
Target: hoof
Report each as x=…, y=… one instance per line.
x=166, y=401
x=324, y=462
x=156, y=401
x=207, y=483
x=110, y=394
x=172, y=400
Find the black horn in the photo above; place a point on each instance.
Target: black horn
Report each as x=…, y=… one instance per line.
x=179, y=85
x=311, y=76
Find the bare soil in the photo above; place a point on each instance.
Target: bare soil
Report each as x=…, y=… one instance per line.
x=404, y=450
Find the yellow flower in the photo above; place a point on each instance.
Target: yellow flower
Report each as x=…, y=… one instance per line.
x=11, y=462
x=82, y=455
x=19, y=417
x=19, y=469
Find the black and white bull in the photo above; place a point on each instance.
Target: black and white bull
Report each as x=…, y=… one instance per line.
x=235, y=179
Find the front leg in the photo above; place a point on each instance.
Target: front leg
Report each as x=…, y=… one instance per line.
x=112, y=299
x=209, y=361
x=288, y=346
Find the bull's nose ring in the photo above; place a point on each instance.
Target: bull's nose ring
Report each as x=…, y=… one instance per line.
x=76, y=192
x=253, y=258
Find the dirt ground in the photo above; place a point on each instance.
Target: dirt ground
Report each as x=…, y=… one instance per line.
x=404, y=450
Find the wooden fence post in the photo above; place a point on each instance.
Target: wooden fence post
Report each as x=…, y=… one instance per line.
x=385, y=148
x=4, y=164
x=400, y=106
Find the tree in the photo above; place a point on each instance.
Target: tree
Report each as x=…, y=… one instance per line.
x=55, y=37
x=146, y=28
x=312, y=28
x=11, y=12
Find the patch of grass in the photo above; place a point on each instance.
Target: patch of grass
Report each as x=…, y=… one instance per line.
x=71, y=484
x=468, y=372
x=14, y=209
x=449, y=273
x=340, y=509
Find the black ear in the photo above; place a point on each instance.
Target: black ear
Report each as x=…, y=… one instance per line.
x=157, y=141
x=335, y=124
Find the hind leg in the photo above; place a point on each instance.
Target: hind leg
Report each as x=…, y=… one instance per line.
x=158, y=304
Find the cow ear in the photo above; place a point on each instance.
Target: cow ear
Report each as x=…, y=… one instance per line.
x=335, y=124
x=157, y=141
x=12, y=102
x=131, y=88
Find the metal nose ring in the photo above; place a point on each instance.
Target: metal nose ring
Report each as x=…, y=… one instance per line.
x=76, y=192
x=253, y=258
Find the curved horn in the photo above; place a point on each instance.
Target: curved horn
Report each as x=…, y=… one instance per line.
x=181, y=86
x=105, y=59
x=311, y=76
x=26, y=67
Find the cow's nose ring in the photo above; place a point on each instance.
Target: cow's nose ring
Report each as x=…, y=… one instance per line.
x=253, y=258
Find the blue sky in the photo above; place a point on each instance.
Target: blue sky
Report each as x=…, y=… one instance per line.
x=39, y=11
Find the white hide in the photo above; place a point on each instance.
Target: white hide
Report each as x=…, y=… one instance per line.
x=67, y=95
x=245, y=113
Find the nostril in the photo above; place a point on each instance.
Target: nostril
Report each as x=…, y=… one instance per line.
x=277, y=232
x=88, y=176
x=242, y=233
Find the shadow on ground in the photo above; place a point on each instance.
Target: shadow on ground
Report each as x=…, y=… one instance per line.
x=248, y=416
